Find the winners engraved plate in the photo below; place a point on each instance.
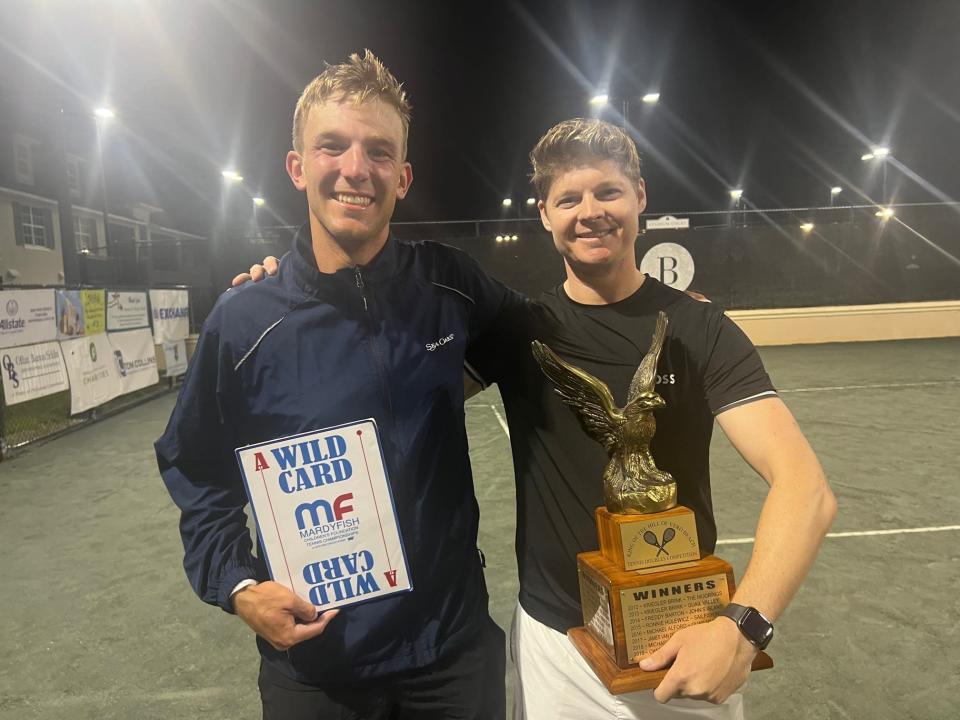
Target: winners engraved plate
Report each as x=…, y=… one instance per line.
x=648, y=579
x=325, y=514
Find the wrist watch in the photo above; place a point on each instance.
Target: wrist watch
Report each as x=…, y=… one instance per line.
x=754, y=626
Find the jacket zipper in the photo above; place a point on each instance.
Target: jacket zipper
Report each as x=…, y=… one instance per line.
x=378, y=361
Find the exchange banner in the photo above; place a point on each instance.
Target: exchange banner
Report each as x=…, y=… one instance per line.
x=175, y=358
x=127, y=310
x=94, y=312
x=32, y=371
x=69, y=314
x=92, y=370
x=136, y=359
x=325, y=514
x=27, y=317
x=171, y=315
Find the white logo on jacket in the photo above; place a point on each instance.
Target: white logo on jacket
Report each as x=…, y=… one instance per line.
x=431, y=346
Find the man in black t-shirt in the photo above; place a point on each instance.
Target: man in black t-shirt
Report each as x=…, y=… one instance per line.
x=587, y=176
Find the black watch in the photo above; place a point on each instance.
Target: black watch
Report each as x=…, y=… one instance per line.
x=754, y=626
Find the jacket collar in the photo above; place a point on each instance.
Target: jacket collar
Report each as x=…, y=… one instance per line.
x=302, y=266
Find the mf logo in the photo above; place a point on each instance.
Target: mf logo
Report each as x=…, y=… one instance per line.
x=13, y=307
x=331, y=511
x=650, y=538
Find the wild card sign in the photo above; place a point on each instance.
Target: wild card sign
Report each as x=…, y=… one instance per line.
x=325, y=514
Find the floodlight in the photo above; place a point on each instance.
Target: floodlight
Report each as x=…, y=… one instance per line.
x=601, y=99
x=231, y=176
x=104, y=113
x=884, y=213
x=531, y=201
x=651, y=98
x=259, y=201
x=499, y=238
x=806, y=227
x=507, y=202
x=736, y=194
x=836, y=190
x=514, y=238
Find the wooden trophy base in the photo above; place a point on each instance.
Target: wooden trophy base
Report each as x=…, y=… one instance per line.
x=645, y=583
x=619, y=681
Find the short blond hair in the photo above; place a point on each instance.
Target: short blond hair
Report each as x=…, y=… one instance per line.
x=575, y=142
x=358, y=79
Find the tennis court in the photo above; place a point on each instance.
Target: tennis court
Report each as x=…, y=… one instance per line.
x=98, y=621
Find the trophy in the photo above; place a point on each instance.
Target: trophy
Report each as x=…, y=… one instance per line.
x=648, y=579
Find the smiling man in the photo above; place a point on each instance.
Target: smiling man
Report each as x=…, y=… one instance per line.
x=341, y=334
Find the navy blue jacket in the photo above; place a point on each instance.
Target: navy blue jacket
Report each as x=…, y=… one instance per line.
x=304, y=350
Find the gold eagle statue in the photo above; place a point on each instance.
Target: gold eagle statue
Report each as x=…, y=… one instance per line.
x=631, y=481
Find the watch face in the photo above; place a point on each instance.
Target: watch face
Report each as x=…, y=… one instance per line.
x=757, y=628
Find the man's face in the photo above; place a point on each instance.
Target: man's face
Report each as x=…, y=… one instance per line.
x=352, y=170
x=593, y=212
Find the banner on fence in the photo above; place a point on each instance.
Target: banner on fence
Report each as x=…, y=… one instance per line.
x=92, y=370
x=127, y=310
x=175, y=358
x=171, y=315
x=69, y=314
x=27, y=317
x=94, y=317
x=136, y=359
x=32, y=371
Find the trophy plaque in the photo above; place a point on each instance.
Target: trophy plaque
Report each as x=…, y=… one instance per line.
x=648, y=579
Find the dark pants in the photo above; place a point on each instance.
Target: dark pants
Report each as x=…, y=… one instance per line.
x=468, y=685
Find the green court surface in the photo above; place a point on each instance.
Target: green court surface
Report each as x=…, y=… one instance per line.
x=97, y=620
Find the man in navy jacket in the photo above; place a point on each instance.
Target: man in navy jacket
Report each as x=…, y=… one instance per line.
x=355, y=325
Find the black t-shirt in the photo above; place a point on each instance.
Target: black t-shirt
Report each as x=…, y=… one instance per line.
x=706, y=366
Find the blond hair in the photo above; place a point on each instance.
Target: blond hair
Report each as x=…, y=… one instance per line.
x=358, y=79
x=575, y=142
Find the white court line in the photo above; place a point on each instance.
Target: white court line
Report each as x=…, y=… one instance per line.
x=860, y=533
x=883, y=386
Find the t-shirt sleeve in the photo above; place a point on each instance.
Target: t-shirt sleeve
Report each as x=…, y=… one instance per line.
x=733, y=373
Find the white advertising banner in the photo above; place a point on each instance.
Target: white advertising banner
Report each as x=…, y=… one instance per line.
x=92, y=370
x=127, y=310
x=325, y=514
x=175, y=358
x=27, y=317
x=171, y=315
x=136, y=359
x=32, y=371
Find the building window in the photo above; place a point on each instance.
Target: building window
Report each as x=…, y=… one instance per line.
x=34, y=226
x=23, y=159
x=73, y=174
x=85, y=235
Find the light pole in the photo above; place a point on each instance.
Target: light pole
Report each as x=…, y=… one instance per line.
x=104, y=115
x=834, y=191
x=602, y=99
x=880, y=154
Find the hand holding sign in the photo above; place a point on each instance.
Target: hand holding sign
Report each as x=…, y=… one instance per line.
x=279, y=616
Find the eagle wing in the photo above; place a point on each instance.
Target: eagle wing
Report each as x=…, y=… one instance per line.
x=589, y=397
x=644, y=380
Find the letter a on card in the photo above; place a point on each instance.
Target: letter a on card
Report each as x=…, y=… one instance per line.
x=261, y=462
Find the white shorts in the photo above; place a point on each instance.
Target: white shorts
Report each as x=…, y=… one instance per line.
x=553, y=682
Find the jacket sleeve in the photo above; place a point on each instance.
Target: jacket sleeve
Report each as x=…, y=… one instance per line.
x=197, y=462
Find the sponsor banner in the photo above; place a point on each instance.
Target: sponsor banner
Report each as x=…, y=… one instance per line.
x=69, y=314
x=136, y=359
x=325, y=514
x=94, y=315
x=171, y=315
x=32, y=371
x=27, y=317
x=92, y=370
x=668, y=222
x=175, y=358
x=127, y=310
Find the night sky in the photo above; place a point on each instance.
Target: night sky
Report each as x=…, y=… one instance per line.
x=779, y=98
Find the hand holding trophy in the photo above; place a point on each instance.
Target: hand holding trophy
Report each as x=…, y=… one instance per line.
x=647, y=580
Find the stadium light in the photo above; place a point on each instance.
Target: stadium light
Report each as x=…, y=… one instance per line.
x=651, y=98
x=507, y=202
x=735, y=195
x=531, y=201
x=259, y=201
x=806, y=227
x=231, y=176
x=514, y=238
x=885, y=213
x=836, y=190
x=104, y=113
x=600, y=100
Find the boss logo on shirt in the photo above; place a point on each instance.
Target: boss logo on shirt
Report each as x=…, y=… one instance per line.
x=431, y=346
x=670, y=379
